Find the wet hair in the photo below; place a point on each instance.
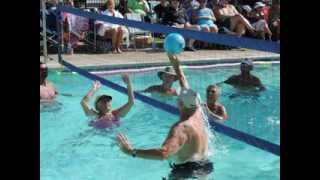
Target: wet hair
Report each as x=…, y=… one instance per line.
x=45, y=74
x=213, y=86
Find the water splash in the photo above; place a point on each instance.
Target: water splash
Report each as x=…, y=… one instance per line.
x=213, y=138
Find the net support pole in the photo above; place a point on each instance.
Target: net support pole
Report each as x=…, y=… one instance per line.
x=44, y=31
x=59, y=19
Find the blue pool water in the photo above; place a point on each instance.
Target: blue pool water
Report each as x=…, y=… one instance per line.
x=70, y=150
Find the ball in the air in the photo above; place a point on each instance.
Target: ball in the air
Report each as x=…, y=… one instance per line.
x=174, y=43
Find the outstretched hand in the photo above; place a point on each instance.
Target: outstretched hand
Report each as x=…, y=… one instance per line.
x=124, y=144
x=96, y=85
x=173, y=58
x=125, y=78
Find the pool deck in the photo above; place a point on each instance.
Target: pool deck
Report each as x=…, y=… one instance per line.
x=157, y=57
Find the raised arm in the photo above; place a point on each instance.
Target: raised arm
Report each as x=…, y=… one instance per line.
x=123, y=110
x=87, y=97
x=174, y=142
x=176, y=66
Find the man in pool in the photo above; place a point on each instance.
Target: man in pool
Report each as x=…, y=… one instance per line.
x=104, y=116
x=168, y=77
x=47, y=90
x=187, y=140
x=214, y=108
x=245, y=80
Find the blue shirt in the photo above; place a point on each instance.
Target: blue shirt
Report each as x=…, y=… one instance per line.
x=205, y=12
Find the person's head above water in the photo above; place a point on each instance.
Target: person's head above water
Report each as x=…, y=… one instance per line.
x=168, y=75
x=103, y=103
x=188, y=99
x=246, y=65
x=213, y=92
x=43, y=71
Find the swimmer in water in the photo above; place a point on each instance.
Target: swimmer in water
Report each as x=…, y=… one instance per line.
x=47, y=90
x=168, y=77
x=245, y=80
x=187, y=141
x=215, y=109
x=105, y=116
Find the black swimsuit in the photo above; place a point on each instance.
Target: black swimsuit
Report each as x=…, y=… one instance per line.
x=190, y=169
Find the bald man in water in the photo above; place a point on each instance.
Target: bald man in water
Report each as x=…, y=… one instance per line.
x=187, y=141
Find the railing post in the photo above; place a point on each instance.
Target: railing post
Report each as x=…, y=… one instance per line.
x=44, y=31
x=59, y=19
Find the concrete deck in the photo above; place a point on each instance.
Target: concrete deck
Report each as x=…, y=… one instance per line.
x=157, y=57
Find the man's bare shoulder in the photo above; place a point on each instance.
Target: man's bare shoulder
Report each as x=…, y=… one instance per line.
x=154, y=88
x=255, y=80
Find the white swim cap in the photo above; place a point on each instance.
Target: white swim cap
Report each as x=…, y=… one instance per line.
x=189, y=98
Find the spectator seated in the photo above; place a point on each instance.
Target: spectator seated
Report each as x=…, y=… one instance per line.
x=138, y=6
x=111, y=31
x=176, y=16
x=229, y=19
x=256, y=18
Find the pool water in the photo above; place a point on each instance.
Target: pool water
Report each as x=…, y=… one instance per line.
x=71, y=150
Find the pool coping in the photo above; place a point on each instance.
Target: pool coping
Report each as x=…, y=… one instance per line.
x=193, y=62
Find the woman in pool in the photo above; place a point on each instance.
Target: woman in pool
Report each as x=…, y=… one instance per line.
x=168, y=77
x=105, y=116
x=47, y=91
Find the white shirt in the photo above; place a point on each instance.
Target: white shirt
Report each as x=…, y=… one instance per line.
x=113, y=13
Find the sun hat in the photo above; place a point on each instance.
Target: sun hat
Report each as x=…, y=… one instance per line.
x=258, y=5
x=189, y=98
x=100, y=97
x=168, y=70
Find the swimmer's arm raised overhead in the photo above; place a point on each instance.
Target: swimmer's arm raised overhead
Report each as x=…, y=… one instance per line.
x=174, y=142
x=87, y=97
x=176, y=66
x=123, y=110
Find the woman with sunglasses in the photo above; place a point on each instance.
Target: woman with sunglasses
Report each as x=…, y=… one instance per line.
x=105, y=117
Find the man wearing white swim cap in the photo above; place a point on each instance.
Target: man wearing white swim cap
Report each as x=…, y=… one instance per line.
x=187, y=141
x=245, y=80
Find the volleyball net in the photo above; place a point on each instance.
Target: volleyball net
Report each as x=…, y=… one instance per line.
x=203, y=37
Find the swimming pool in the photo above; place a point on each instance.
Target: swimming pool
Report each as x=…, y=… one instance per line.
x=69, y=149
